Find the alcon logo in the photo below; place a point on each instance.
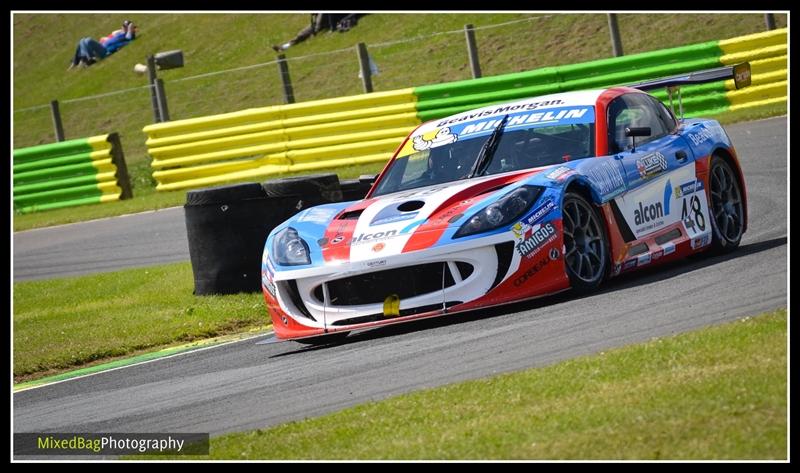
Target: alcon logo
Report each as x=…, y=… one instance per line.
x=648, y=212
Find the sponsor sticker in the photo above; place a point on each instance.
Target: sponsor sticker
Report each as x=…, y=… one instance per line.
x=631, y=263
x=607, y=177
x=689, y=188
x=700, y=242
x=643, y=259
x=267, y=283
x=442, y=136
x=378, y=247
x=540, y=212
x=560, y=173
x=531, y=271
x=554, y=254
x=376, y=263
x=363, y=238
x=317, y=215
x=507, y=109
x=700, y=137
x=658, y=254
x=651, y=165
x=668, y=248
x=531, y=239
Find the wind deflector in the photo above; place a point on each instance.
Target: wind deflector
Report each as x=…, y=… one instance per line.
x=740, y=74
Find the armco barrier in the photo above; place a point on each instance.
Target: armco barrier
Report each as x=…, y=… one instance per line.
x=332, y=133
x=272, y=140
x=69, y=173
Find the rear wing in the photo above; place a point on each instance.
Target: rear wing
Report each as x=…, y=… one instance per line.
x=740, y=74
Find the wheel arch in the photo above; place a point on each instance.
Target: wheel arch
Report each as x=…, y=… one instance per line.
x=584, y=189
x=729, y=156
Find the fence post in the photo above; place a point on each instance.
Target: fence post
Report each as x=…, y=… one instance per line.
x=769, y=19
x=286, y=80
x=59, y=127
x=118, y=158
x=151, y=76
x=161, y=97
x=472, y=50
x=363, y=61
x=616, y=43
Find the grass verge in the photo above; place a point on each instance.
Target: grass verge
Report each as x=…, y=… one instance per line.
x=62, y=324
x=716, y=393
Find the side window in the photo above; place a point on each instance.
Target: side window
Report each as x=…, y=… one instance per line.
x=633, y=110
x=665, y=115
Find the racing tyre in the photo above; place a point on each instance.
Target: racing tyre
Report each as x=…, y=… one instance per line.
x=315, y=188
x=585, y=245
x=727, y=207
x=329, y=339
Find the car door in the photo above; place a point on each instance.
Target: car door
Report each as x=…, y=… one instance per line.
x=655, y=166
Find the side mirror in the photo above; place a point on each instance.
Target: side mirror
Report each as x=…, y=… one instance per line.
x=637, y=131
x=633, y=132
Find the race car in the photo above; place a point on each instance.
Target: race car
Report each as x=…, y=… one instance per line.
x=511, y=202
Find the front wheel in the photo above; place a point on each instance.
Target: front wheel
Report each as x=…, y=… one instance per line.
x=727, y=208
x=585, y=245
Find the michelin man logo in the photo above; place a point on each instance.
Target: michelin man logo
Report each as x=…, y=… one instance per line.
x=443, y=136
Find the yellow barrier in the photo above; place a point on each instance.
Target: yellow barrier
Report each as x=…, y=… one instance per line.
x=767, y=54
x=261, y=142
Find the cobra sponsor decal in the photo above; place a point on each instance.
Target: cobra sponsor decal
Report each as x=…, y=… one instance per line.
x=540, y=212
x=532, y=239
x=658, y=254
x=532, y=271
x=651, y=165
x=700, y=137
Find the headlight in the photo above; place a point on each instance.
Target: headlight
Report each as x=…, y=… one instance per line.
x=289, y=249
x=509, y=208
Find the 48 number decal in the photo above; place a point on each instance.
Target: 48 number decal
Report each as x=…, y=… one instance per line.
x=692, y=214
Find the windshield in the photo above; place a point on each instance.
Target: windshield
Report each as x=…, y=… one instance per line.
x=449, y=154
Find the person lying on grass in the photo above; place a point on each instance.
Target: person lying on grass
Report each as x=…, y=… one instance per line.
x=90, y=50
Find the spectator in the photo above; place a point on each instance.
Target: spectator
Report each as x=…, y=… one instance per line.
x=319, y=22
x=90, y=50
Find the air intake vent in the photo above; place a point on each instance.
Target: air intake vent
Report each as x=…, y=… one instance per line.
x=669, y=236
x=351, y=215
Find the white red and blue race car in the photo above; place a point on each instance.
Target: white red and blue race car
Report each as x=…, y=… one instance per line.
x=511, y=202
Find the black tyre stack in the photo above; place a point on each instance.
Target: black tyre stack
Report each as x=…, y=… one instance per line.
x=227, y=226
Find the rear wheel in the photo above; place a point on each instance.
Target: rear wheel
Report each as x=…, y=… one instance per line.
x=586, y=249
x=727, y=207
x=328, y=339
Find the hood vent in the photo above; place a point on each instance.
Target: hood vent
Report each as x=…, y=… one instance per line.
x=351, y=215
x=411, y=206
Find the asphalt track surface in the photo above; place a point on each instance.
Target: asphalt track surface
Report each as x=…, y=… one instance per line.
x=244, y=386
